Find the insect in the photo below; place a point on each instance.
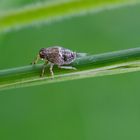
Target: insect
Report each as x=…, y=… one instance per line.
x=56, y=56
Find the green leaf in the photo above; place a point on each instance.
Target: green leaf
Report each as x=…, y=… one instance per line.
x=44, y=13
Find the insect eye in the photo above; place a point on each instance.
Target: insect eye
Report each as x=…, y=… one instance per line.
x=42, y=54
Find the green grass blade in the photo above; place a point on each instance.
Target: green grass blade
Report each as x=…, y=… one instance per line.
x=44, y=13
x=89, y=66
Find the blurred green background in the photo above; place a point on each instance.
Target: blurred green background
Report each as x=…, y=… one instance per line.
x=101, y=108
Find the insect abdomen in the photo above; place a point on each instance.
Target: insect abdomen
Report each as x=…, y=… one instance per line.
x=68, y=56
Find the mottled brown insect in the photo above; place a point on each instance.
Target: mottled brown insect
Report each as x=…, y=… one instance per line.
x=56, y=56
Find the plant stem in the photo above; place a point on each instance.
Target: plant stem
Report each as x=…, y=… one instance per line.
x=89, y=66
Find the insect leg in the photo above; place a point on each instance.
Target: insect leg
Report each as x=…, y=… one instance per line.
x=51, y=70
x=43, y=68
x=36, y=59
x=67, y=67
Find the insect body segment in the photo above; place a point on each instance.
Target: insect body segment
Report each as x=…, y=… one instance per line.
x=56, y=56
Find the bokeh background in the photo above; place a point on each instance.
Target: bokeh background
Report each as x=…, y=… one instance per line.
x=101, y=108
